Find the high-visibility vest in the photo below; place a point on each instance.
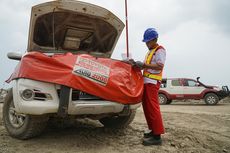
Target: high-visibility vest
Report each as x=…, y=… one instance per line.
x=148, y=59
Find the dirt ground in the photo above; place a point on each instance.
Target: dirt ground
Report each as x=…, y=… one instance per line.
x=190, y=127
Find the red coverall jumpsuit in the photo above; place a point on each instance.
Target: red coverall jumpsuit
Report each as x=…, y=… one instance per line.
x=150, y=98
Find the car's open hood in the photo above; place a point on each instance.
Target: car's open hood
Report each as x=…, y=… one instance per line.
x=78, y=27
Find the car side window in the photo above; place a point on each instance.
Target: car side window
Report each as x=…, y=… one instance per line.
x=176, y=83
x=190, y=83
x=185, y=83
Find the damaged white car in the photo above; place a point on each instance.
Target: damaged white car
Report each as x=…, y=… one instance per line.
x=58, y=27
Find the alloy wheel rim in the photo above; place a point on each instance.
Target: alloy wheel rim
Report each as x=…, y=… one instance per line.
x=161, y=100
x=211, y=100
x=17, y=120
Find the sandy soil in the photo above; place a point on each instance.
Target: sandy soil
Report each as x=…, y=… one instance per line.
x=190, y=127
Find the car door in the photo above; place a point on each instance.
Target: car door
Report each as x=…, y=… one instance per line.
x=191, y=89
x=176, y=89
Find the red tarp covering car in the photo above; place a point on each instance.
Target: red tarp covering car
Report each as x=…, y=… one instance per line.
x=103, y=77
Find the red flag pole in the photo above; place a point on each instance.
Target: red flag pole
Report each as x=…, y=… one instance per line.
x=127, y=31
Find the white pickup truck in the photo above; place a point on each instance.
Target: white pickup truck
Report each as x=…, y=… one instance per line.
x=58, y=27
x=184, y=88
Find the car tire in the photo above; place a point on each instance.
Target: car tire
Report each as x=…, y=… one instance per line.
x=21, y=126
x=162, y=99
x=211, y=99
x=169, y=102
x=118, y=122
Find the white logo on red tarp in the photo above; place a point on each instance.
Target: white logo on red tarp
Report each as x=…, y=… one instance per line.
x=91, y=70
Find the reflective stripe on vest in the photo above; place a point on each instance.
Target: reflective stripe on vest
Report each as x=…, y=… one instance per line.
x=148, y=60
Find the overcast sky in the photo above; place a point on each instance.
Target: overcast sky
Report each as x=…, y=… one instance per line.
x=195, y=33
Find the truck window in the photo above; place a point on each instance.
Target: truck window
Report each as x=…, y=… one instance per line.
x=191, y=83
x=175, y=83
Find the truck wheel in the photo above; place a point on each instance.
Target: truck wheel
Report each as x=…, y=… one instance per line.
x=211, y=99
x=162, y=99
x=169, y=102
x=118, y=122
x=21, y=126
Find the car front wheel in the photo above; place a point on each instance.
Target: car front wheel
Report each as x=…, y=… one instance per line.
x=211, y=99
x=21, y=126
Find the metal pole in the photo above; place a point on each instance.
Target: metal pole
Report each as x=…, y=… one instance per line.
x=127, y=31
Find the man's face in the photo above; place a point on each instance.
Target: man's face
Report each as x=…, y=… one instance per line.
x=150, y=44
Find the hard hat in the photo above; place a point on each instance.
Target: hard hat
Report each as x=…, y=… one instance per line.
x=150, y=34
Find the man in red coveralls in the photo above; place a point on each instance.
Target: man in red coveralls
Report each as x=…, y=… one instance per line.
x=153, y=68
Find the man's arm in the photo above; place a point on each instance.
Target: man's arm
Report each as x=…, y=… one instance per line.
x=160, y=60
x=141, y=65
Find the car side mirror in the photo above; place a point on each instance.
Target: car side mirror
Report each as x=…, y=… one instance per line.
x=14, y=56
x=197, y=84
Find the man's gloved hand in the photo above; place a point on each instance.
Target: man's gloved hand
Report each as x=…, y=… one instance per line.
x=130, y=61
x=139, y=64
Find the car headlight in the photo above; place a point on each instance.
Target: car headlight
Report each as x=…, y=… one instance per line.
x=27, y=94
